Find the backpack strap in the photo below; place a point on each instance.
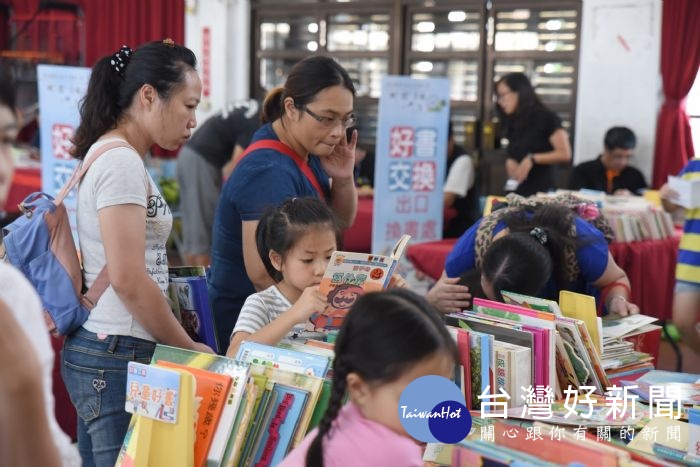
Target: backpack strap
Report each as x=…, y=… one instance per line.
x=93, y=294
x=279, y=146
x=82, y=168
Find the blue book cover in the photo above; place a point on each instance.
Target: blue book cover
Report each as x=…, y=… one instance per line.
x=279, y=433
x=152, y=391
x=195, y=310
x=284, y=359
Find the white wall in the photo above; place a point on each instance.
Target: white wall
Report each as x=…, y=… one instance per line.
x=228, y=60
x=619, y=78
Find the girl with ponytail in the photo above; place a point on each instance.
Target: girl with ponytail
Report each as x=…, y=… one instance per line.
x=135, y=99
x=295, y=242
x=387, y=340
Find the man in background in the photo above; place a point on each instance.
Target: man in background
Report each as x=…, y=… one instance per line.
x=205, y=161
x=611, y=171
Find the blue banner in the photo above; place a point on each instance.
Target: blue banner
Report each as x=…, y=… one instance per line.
x=60, y=91
x=411, y=154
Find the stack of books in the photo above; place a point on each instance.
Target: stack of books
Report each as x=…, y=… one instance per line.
x=217, y=411
x=622, y=339
x=633, y=218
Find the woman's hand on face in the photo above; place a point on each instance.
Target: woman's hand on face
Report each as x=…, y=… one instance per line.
x=448, y=296
x=340, y=164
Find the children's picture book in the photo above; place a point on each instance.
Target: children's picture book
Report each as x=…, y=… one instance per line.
x=211, y=390
x=149, y=442
x=238, y=371
x=190, y=296
x=284, y=358
x=279, y=432
x=152, y=392
x=350, y=275
x=621, y=327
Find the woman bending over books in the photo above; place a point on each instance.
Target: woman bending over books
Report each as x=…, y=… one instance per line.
x=534, y=250
x=387, y=340
x=135, y=99
x=295, y=242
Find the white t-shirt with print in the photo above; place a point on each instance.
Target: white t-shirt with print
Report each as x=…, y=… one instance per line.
x=119, y=177
x=262, y=308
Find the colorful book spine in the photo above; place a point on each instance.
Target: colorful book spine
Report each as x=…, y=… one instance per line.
x=284, y=358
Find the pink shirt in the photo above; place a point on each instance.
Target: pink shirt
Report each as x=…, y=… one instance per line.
x=358, y=441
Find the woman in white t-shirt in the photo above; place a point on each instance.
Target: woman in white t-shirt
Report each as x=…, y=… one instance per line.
x=138, y=98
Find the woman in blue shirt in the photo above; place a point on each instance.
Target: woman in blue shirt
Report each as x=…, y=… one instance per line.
x=534, y=251
x=305, y=153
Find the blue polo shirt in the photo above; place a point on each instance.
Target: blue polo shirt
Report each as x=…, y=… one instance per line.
x=592, y=257
x=264, y=178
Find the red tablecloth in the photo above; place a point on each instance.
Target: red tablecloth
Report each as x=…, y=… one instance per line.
x=359, y=236
x=650, y=266
x=66, y=416
x=24, y=182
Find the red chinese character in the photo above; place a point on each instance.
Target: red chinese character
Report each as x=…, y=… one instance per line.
x=424, y=176
x=411, y=228
x=429, y=230
x=422, y=202
x=401, y=142
x=61, y=141
x=403, y=204
x=393, y=231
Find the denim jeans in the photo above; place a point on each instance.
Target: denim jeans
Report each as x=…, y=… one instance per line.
x=94, y=370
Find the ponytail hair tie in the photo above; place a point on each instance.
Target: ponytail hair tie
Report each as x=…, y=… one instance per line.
x=120, y=60
x=539, y=234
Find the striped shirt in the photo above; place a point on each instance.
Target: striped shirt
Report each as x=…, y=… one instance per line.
x=688, y=267
x=262, y=308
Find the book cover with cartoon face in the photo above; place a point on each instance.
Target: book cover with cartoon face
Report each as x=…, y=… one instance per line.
x=348, y=276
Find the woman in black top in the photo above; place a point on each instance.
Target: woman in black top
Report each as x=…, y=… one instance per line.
x=536, y=139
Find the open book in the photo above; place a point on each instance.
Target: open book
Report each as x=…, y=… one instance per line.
x=350, y=275
x=688, y=191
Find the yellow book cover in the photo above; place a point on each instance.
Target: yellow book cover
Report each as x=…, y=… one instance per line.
x=580, y=306
x=173, y=444
x=137, y=444
x=153, y=443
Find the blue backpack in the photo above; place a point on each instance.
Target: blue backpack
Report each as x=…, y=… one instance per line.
x=40, y=244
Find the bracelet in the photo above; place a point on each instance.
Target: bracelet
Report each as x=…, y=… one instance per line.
x=621, y=297
x=531, y=156
x=606, y=290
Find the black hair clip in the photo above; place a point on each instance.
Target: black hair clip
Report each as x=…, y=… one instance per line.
x=121, y=59
x=539, y=234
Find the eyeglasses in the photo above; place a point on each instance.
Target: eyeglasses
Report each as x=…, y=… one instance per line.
x=328, y=122
x=499, y=97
